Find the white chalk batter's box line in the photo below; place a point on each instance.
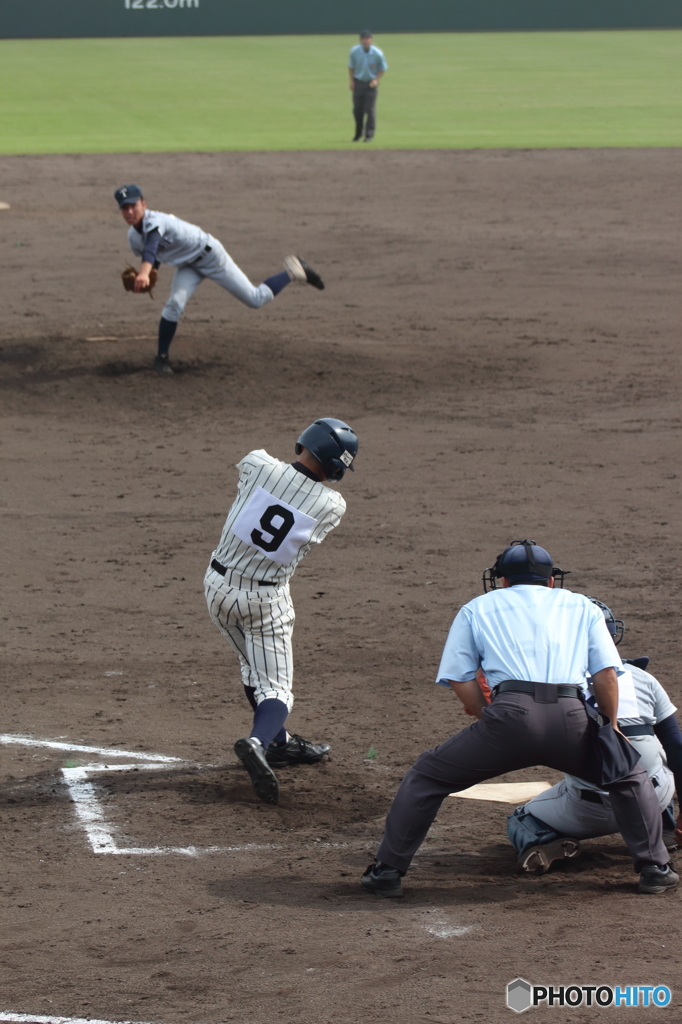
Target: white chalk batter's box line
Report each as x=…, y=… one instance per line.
x=89, y=810
x=39, y=1018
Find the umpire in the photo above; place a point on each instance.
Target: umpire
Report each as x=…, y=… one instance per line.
x=536, y=646
x=366, y=66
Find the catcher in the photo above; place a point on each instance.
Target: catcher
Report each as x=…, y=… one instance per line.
x=550, y=826
x=163, y=238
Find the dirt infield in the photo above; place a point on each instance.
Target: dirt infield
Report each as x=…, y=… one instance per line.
x=502, y=330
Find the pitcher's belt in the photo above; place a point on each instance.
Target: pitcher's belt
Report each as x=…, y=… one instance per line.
x=215, y=564
x=544, y=693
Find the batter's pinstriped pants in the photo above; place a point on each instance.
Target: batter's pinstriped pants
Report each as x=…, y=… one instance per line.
x=258, y=624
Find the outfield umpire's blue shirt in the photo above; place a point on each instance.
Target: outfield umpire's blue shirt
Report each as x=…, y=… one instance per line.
x=528, y=632
x=366, y=66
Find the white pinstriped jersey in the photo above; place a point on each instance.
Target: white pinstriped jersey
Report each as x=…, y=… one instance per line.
x=276, y=517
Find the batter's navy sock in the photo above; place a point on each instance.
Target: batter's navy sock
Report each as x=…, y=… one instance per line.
x=269, y=717
x=167, y=329
x=277, y=282
x=282, y=736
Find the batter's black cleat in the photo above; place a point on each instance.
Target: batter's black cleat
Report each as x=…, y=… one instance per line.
x=295, y=751
x=655, y=879
x=356, y=138
x=382, y=880
x=252, y=756
x=162, y=365
x=299, y=270
x=539, y=859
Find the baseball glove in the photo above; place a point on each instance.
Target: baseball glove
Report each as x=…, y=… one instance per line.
x=128, y=277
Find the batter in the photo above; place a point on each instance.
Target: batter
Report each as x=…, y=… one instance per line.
x=281, y=509
x=157, y=238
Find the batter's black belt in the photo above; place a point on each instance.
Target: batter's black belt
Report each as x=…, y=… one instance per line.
x=215, y=564
x=543, y=693
x=637, y=730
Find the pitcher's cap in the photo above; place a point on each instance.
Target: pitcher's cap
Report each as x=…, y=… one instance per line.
x=127, y=194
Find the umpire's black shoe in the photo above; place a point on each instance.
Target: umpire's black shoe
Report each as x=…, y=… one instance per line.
x=252, y=756
x=540, y=858
x=382, y=880
x=655, y=879
x=301, y=271
x=162, y=365
x=295, y=751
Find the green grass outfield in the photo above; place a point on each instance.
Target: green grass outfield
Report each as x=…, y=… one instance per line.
x=445, y=90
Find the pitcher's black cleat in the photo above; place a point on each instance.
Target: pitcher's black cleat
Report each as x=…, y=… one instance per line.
x=162, y=365
x=301, y=271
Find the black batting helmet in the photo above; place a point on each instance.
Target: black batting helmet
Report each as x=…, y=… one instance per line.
x=523, y=561
x=616, y=627
x=333, y=443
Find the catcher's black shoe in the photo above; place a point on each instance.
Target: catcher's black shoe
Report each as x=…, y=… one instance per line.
x=295, y=751
x=252, y=756
x=655, y=879
x=162, y=365
x=539, y=859
x=670, y=840
x=299, y=270
x=382, y=880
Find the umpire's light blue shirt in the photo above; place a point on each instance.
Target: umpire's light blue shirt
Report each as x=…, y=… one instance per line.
x=528, y=632
x=366, y=66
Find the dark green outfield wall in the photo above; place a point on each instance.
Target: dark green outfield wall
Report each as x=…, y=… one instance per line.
x=28, y=19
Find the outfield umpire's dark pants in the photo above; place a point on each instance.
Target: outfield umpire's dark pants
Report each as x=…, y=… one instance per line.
x=364, y=103
x=516, y=732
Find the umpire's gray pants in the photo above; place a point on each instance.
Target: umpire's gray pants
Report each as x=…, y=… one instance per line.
x=219, y=266
x=365, y=104
x=516, y=732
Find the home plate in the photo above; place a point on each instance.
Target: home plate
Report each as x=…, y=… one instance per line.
x=4, y=206
x=504, y=792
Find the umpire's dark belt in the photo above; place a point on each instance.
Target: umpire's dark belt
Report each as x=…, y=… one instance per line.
x=543, y=693
x=223, y=571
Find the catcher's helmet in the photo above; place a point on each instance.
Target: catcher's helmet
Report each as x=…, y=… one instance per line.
x=333, y=442
x=523, y=561
x=616, y=627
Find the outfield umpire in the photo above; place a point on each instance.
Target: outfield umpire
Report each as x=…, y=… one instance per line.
x=536, y=646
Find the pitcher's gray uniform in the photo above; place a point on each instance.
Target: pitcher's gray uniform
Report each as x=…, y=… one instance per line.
x=251, y=604
x=196, y=255
x=576, y=808
x=164, y=238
